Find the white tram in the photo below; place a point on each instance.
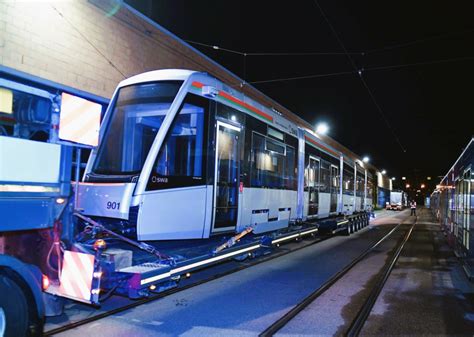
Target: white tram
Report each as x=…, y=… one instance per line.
x=183, y=156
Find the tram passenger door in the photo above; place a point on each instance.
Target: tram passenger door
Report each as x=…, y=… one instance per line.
x=313, y=186
x=334, y=188
x=226, y=179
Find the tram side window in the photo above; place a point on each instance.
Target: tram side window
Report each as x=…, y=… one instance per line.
x=325, y=182
x=369, y=187
x=273, y=164
x=180, y=161
x=360, y=184
x=348, y=182
x=335, y=179
x=290, y=172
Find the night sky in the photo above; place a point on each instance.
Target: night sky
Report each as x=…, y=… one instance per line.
x=426, y=99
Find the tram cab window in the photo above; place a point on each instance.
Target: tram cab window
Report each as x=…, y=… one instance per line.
x=136, y=116
x=180, y=161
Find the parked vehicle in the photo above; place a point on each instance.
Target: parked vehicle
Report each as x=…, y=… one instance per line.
x=398, y=201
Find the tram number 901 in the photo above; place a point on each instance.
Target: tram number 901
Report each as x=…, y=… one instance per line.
x=113, y=205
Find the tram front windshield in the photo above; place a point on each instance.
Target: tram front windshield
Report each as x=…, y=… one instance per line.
x=137, y=115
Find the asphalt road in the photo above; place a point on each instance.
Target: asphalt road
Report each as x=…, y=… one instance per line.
x=427, y=293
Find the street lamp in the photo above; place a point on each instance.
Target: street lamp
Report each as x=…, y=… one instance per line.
x=407, y=186
x=322, y=128
x=404, y=178
x=422, y=186
x=366, y=159
x=383, y=171
x=393, y=178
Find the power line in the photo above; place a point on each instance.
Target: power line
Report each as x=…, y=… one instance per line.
x=418, y=41
x=303, y=77
x=89, y=42
x=396, y=66
x=379, y=108
x=215, y=47
x=303, y=54
x=376, y=68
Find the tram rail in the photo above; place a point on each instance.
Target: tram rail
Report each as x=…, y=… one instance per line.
x=362, y=315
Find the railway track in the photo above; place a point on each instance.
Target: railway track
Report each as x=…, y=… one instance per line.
x=362, y=315
x=160, y=295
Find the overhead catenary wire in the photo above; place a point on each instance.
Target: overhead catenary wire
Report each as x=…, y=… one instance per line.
x=417, y=41
x=215, y=47
x=375, y=68
x=112, y=64
x=351, y=60
x=361, y=53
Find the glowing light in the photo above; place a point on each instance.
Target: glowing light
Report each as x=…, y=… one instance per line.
x=383, y=171
x=60, y=201
x=428, y=178
x=407, y=186
x=322, y=128
x=45, y=282
x=365, y=159
x=422, y=186
x=404, y=178
x=152, y=287
x=99, y=244
x=393, y=178
x=233, y=118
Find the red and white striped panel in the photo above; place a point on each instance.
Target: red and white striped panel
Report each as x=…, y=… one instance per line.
x=76, y=275
x=79, y=120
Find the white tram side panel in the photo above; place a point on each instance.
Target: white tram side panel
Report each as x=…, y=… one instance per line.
x=267, y=209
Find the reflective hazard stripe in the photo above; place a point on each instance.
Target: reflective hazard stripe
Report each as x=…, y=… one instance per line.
x=79, y=120
x=76, y=275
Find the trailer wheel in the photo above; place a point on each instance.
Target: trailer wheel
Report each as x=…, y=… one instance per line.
x=13, y=309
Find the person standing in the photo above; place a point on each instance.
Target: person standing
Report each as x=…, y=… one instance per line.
x=413, y=207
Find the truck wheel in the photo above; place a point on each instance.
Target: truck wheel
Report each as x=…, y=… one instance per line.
x=13, y=309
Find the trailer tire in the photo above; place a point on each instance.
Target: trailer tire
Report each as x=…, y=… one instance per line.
x=15, y=308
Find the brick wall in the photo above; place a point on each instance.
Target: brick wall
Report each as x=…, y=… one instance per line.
x=74, y=43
